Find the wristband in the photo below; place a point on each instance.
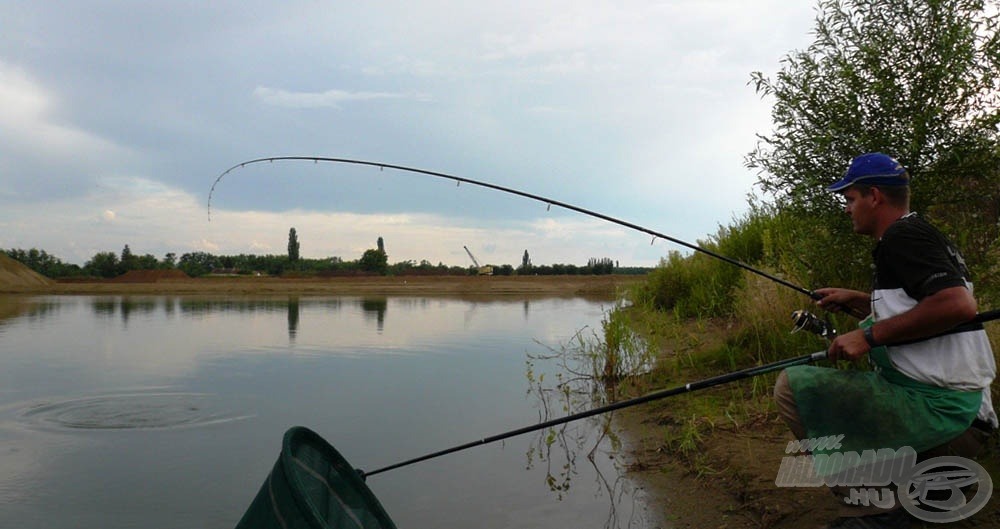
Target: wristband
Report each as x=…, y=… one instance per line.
x=870, y=338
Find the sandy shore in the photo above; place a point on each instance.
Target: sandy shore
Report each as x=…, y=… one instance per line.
x=596, y=287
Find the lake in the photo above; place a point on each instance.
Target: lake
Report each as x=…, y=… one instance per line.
x=168, y=411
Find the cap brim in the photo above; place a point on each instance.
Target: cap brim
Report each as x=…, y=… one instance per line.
x=840, y=185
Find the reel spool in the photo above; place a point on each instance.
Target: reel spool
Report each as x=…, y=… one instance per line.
x=805, y=320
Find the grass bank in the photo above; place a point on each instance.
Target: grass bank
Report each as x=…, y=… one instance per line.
x=710, y=458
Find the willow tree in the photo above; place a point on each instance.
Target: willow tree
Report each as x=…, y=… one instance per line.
x=919, y=80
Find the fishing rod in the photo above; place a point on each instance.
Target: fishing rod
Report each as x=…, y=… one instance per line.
x=655, y=395
x=545, y=200
x=664, y=393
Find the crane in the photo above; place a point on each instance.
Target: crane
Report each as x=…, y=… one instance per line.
x=481, y=270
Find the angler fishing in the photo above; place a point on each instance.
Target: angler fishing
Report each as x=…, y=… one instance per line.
x=801, y=319
x=310, y=472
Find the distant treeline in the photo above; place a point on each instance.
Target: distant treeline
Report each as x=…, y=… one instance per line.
x=195, y=264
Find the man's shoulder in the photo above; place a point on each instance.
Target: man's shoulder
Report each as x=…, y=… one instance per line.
x=913, y=226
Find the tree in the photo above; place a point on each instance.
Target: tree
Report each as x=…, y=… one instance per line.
x=525, y=264
x=293, y=246
x=600, y=266
x=374, y=261
x=102, y=264
x=197, y=263
x=42, y=262
x=147, y=262
x=128, y=261
x=916, y=79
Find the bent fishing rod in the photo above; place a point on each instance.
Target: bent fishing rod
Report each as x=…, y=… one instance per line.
x=545, y=200
x=649, y=397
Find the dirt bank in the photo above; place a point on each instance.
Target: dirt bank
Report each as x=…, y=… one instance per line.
x=710, y=458
x=471, y=287
x=14, y=275
x=729, y=481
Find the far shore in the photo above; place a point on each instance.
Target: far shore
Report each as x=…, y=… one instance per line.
x=588, y=286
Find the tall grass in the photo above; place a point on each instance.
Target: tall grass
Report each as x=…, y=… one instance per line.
x=698, y=285
x=763, y=329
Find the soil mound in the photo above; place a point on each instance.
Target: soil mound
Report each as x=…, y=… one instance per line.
x=14, y=274
x=150, y=276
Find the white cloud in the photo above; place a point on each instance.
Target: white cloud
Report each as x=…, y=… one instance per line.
x=204, y=245
x=329, y=98
x=262, y=247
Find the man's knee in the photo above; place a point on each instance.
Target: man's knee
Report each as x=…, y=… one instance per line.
x=787, y=408
x=782, y=389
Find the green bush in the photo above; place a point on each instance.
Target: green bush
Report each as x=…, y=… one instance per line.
x=699, y=285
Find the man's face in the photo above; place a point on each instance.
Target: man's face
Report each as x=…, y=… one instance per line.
x=861, y=209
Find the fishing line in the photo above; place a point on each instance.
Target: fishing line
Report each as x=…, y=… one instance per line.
x=548, y=201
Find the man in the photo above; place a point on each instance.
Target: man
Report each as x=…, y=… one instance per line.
x=932, y=371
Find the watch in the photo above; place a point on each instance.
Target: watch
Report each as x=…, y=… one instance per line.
x=869, y=337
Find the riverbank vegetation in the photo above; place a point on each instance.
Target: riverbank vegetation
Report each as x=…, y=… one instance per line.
x=374, y=261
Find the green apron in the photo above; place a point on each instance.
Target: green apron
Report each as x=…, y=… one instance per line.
x=882, y=408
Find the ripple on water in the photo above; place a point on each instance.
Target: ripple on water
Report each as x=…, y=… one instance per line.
x=130, y=411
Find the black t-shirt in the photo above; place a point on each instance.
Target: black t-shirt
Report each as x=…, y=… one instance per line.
x=917, y=258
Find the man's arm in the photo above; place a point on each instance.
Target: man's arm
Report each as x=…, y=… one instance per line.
x=933, y=315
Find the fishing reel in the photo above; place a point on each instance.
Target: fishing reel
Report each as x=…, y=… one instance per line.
x=805, y=320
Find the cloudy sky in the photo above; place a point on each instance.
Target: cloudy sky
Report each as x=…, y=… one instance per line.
x=117, y=116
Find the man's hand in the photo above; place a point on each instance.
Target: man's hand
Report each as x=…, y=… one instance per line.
x=839, y=299
x=849, y=346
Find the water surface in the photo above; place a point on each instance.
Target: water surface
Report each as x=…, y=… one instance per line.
x=168, y=411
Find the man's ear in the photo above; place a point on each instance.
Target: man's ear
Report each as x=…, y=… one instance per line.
x=877, y=196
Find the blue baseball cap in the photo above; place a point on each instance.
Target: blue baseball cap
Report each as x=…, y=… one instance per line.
x=875, y=169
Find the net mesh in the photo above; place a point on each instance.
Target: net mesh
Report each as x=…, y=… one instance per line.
x=313, y=487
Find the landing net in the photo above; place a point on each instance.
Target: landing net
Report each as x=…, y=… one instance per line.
x=313, y=487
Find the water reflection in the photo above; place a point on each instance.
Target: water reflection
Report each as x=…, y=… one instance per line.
x=104, y=306
x=375, y=307
x=293, y=317
x=567, y=381
x=31, y=308
x=125, y=307
x=142, y=306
